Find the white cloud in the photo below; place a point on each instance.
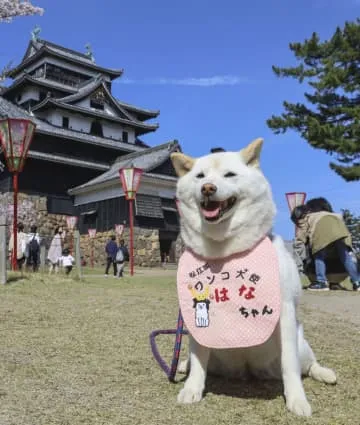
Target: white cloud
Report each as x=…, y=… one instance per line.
x=217, y=80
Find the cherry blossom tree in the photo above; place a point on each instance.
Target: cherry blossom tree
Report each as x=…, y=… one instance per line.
x=10, y=9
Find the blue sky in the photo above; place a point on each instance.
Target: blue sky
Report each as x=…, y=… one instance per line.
x=207, y=66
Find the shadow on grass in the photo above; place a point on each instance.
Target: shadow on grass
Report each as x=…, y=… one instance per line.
x=16, y=278
x=247, y=389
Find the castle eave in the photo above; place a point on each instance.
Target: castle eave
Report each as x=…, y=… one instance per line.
x=26, y=79
x=59, y=159
x=69, y=57
x=140, y=126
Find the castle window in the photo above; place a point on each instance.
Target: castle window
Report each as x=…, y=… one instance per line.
x=96, y=105
x=65, y=122
x=96, y=129
x=18, y=98
x=125, y=137
x=42, y=95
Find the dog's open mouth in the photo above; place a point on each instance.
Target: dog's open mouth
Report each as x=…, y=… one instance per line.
x=213, y=210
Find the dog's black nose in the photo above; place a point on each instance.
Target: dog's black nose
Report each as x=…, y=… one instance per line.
x=208, y=189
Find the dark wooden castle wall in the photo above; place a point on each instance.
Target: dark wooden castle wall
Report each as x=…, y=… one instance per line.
x=105, y=214
x=75, y=149
x=45, y=178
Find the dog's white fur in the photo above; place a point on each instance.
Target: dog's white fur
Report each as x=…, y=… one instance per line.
x=286, y=355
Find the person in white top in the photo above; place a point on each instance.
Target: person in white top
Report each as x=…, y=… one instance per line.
x=67, y=261
x=55, y=250
x=21, y=246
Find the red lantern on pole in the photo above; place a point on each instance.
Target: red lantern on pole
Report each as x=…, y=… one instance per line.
x=130, y=180
x=294, y=199
x=92, y=234
x=16, y=136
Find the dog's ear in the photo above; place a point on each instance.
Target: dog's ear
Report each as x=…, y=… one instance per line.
x=251, y=154
x=182, y=163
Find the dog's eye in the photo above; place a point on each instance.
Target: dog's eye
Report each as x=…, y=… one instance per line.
x=230, y=174
x=200, y=176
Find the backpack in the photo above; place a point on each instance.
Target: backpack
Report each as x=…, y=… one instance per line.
x=119, y=256
x=126, y=253
x=34, y=247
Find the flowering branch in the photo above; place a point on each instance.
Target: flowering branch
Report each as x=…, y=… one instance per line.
x=11, y=8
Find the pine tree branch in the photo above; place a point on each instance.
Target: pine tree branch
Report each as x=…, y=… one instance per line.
x=330, y=118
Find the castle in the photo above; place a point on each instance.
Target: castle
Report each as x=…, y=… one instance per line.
x=84, y=134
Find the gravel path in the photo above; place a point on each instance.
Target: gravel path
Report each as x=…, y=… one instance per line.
x=344, y=305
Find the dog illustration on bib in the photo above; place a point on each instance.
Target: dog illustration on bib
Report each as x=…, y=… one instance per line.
x=237, y=284
x=201, y=304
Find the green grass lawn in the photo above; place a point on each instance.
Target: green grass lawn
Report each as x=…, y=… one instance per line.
x=77, y=352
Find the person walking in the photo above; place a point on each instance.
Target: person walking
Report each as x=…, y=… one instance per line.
x=111, y=249
x=323, y=230
x=67, y=261
x=21, y=246
x=33, y=249
x=55, y=250
x=122, y=255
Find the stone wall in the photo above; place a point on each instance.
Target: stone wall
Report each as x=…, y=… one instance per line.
x=33, y=210
x=146, y=247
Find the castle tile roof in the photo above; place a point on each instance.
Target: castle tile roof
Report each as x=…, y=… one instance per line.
x=10, y=110
x=46, y=47
x=147, y=160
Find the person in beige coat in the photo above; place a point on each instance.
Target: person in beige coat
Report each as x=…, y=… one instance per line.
x=322, y=229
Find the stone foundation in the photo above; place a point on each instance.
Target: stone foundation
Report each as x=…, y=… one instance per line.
x=33, y=210
x=146, y=247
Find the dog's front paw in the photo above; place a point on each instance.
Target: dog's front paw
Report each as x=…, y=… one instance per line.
x=299, y=406
x=189, y=394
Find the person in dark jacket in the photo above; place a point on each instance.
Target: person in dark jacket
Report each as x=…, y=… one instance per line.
x=111, y=249
x=121, y=256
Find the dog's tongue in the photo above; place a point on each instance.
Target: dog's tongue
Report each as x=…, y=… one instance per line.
x=212, y=213
x=212, y=210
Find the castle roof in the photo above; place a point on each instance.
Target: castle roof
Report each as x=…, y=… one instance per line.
x=40, y=81
x=139, y=126
x=147, y=160
x=126, y=109
x=39, y=48
x=9, y=110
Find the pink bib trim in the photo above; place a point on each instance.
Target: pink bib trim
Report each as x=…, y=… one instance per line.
x=233, y=302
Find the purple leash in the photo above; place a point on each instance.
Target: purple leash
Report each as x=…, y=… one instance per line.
x=179, y=331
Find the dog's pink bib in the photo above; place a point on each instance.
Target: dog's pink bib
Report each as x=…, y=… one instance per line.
x=232, y=302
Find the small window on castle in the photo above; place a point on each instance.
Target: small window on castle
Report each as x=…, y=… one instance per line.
x=125, y=136
x=65, y=122
x=18, y=98
x=96, y=129
x=42, y=95
x=96, y=105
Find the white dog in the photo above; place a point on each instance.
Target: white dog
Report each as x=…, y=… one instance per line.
x=227, y=208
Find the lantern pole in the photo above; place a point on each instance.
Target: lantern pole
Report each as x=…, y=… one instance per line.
x=15, y=206
x=16, y=135
x=130, y=180
x=131, y=223
x=91, y=240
